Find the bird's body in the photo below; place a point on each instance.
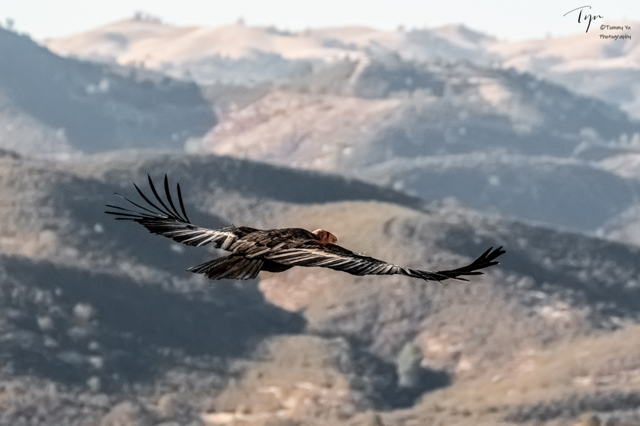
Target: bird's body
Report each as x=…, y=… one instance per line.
x=273, y=250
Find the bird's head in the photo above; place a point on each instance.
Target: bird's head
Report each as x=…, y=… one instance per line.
x=325, y=236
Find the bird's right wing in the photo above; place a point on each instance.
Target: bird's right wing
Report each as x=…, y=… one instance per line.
x=170, y=223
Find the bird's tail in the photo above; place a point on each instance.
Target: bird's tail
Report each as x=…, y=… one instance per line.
x=233, y=267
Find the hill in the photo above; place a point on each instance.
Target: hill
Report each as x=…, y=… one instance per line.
x=584, y=63
x=100, y=323
x=437, y=113
x=55, y=105
x=495, y=140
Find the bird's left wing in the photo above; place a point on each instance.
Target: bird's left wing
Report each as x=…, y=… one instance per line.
x=338, y=258
x=170, y=223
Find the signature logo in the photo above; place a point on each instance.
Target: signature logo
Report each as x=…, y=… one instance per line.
x=586, y=17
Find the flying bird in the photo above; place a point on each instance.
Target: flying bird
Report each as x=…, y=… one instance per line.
x=272, y=250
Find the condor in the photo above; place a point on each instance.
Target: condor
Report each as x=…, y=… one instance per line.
x=273, y=250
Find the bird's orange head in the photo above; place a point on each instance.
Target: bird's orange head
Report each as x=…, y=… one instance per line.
x=325, y=236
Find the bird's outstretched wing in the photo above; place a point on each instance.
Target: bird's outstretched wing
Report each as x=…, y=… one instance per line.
x=170, y=223
x=340, y=259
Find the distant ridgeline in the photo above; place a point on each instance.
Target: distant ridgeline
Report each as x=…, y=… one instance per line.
x=94, y=107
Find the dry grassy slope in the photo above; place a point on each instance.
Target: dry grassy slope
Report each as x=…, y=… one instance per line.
x=248, y=55
x=301, y=130
x=430, y=109
x=198, y=49
x=103, y=313
x=596, y=374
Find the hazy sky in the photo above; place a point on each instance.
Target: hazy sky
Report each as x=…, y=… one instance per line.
x=512, y=20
